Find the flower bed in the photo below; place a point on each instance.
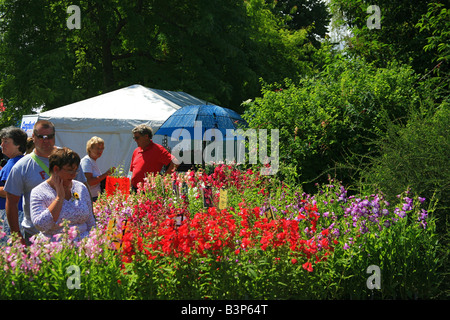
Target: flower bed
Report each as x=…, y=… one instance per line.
x=234, y=234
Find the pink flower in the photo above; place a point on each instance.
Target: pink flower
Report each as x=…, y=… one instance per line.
x=73, y=232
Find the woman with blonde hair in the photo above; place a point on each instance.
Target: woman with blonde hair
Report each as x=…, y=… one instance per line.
x=94, y=149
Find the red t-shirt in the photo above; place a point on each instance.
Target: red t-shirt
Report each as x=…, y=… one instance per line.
x=149, y=160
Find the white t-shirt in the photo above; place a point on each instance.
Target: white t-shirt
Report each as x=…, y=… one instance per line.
x=89, y=165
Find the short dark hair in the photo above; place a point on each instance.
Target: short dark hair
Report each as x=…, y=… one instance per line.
x=61, y=157
x=18, y=136
x=143, y=129
x=46, y=124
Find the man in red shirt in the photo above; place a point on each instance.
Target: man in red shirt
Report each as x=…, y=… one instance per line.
x=148, y=157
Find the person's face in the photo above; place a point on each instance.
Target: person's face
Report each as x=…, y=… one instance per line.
x=141, y=140
x=44, y=139
x=9, y=148
x=96, y=151
x=67, y=173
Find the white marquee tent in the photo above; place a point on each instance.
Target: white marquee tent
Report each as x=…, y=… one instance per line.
x=112, y=116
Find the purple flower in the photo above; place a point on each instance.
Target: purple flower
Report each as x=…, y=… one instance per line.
x=400, y=213
x=363, y=228
x=406, y=207
x=346, y=247
x=423, y=214
x=364, y=212
x=422, y=200
x=336, y=232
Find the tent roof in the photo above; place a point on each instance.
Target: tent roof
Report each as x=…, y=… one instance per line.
x=133, y=102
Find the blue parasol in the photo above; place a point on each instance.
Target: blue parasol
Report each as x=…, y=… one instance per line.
x=206, y=116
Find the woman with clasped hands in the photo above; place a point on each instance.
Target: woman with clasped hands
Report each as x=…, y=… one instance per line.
x=61, y=198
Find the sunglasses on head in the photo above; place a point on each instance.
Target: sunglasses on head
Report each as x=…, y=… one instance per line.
x=49, y=136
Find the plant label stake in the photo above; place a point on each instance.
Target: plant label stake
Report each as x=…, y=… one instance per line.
x=223, y=199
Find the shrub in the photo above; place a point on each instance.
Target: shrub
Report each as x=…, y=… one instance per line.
x=416, y=156
x=330, y=119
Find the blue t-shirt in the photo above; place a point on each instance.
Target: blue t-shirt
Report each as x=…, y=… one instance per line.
x=4, y=173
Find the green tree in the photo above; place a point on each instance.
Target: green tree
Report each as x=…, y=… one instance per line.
x=34, y=61
x=436, y=24
x=213, y=49
x=398, y=38
x=304, y=14
x=328, y=122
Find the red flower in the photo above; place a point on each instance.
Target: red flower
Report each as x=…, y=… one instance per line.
x=245, y=243
x=308, y=266
x=324, y=242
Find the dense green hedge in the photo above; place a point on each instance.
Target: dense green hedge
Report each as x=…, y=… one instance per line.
x=328, y=121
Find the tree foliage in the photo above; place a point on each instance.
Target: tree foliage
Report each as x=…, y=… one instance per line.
x=398, y=37
x=304, y=14
x=34, y=61
x=328, y=122
x=416, y=155
x=213, y=49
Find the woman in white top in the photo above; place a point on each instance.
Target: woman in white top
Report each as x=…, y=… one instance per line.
x=94, y=149
x=60, y=198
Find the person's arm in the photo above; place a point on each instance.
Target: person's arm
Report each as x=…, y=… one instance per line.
x=56, y=206
x=43, y=217
x=92, y=181
x=91, y=220
x=2, y=193
x=12, y=214
x=172, y=167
